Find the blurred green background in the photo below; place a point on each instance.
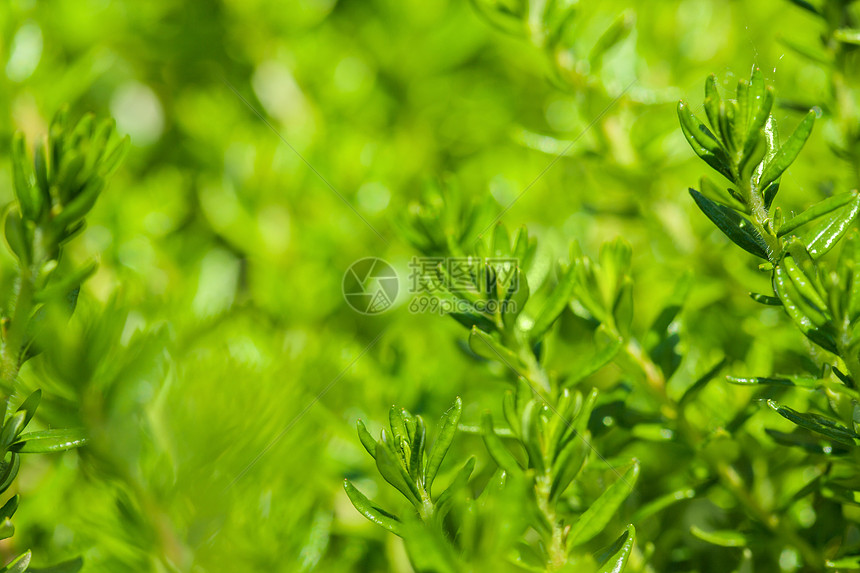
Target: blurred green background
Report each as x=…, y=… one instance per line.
x=216, y=319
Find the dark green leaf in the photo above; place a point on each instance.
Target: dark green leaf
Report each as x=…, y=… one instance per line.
x=765, y=299
x=816, y=423
x=703, y=142
x=808, y=6
x=9, y=508
x=737, y=228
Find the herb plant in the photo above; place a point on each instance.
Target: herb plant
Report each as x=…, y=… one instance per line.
x=53, y=195
x=603, y=394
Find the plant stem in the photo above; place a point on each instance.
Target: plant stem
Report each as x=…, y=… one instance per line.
x=12, y=346
x=727, y=475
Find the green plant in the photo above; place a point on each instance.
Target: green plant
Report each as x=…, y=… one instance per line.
x=820, y=296
x=543, y=443
x=69, y=170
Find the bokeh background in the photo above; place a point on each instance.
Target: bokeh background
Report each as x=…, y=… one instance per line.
x=200, y=348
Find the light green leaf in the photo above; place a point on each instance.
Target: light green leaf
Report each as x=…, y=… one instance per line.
x=788, y=151
x=460, y=480
x=70, y=566
x=848, y=36
x=497, y=450
x=723, y=538
x=618, y=553
x=30, y=405
x=48, y=441
x=18, y=565
x=447, y=431
x=370, y=510
x=598, y=515
x=661, y=503
x=394, y=473
x=366, y=438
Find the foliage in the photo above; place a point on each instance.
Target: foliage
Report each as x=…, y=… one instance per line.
x=620, y=400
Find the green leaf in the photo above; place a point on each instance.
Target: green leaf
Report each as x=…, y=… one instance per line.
x=699, y=384
x=852, y=562
x=555, y=304
x=370, y=510
x=703, y=142
x=497, y=450
x=70, y=566
x=765, y=299
x=598, y=515
x=13, y=426
x=7, y=530
x=79, y=206
x=485, y=346
x=720, y=195
x=832, y=226
x=29, y=198
x=366, y=438
x=811, y=320
x=589, y=363
x=569, y=463
x=8, y=471
x=394, y=473
x=49, y=441
x=808, y=6
x=416, y=459
x=809, y=441
x=737, y=228
x=61, y=288
x=723, y=538
x=661, y=503
x=788, y=151
x=30, y=405
x=10, y=507
x=816, y=423
x=460, y=481
x=616, y=32
x=17, y=236
x=40, y=167
x=397, y=423
x=848, y=36
x=18, y=565
x=447, y=431
x=712, y=102
x=618, y=553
